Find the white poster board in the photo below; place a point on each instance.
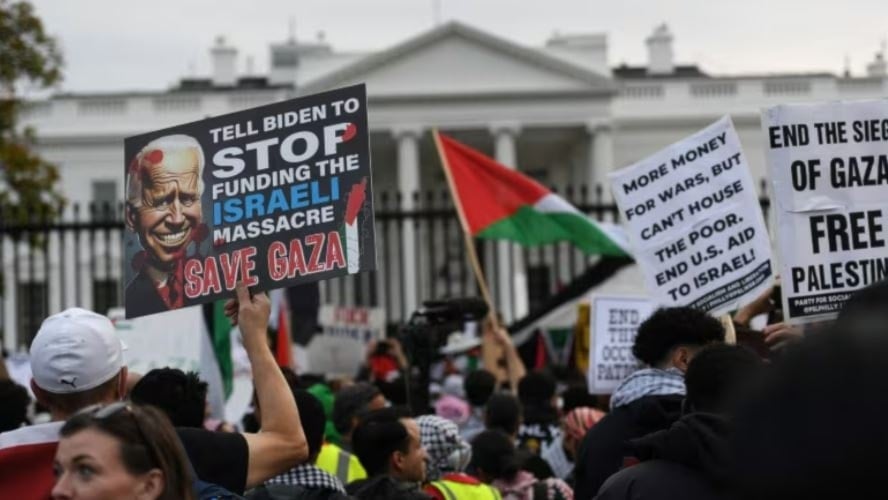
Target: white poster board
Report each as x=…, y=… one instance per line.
x=172, y=339
x=695, y=222
x=614, y=322
x=18, y=365
x=342, y=347
x=828, y=165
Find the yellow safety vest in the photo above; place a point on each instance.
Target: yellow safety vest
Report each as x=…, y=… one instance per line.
x=453, y=490
x=340, y=463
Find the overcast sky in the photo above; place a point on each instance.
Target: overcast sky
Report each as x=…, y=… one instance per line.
x=125, y=45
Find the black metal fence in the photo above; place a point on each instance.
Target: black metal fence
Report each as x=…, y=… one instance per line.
x=48, y=264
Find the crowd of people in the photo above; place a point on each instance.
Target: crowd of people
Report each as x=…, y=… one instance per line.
x=796, y=415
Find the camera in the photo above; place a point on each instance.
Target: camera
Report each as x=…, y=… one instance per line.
x=423, y=336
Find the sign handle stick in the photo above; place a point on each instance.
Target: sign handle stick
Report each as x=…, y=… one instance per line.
x=730, y=333
x=470, y=246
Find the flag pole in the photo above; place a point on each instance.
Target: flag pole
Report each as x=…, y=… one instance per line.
x=470, y=246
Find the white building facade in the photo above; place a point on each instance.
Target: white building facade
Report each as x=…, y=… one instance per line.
x=560, y=113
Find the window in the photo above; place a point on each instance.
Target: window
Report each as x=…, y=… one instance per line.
x=538, y=286
x=713, y=89
x=365, y=289
x=104, y=295
x=101, y=106
x=175, y=104
x=780, y=87
x=641, y=91
x=32, y=310
x=539, y=174
x=104, y=198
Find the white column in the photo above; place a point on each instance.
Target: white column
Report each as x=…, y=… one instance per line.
x=9, y=295
x=601, y=144
x=53, y=273
x=408, y=184
x=511, y=272
x=88, y=254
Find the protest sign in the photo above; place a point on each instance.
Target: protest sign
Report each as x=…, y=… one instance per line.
x=828, y=165
x=362, y=324
x=272, y=196
x=695, y=222
x=158, y=342
x=18, y=365
x=342, y=346
x=614, y=324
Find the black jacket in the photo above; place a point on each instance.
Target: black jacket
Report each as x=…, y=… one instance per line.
x=383, y=487
x=602, y=450
x=689, y=461
x=294, y=492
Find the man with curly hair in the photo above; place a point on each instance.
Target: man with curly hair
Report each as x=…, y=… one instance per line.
x=650, y=399
x=182, y=396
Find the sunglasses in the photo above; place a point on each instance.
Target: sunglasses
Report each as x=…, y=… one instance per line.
x=101, y=413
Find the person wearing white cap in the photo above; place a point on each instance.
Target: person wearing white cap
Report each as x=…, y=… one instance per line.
x=77, y=362
x=76, y=356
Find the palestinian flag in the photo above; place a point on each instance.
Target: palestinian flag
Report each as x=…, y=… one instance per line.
x=216, y=363
x=216, y=366
x=279, y=328
x=496, y=202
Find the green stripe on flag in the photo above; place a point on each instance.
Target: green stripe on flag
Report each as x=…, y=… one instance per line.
x=221, y=336
x=528, y=227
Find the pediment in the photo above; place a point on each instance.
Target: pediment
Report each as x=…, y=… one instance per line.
x=455, y=59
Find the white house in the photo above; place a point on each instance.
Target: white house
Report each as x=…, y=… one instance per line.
x=559, y=112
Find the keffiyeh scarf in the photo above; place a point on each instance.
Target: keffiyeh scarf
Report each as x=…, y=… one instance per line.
x=648, y=382
x=441, y=439
x=308, y=476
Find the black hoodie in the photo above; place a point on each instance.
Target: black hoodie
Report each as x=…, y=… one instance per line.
x=602, y=450
x=689, y=461
x=385, y=487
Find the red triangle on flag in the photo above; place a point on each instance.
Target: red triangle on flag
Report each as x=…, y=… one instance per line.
x=283, y=351
x=486, y=190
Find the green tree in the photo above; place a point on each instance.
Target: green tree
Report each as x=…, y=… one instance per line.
x=28, y=57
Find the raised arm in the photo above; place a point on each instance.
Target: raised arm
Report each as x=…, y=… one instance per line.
x=497, y=345
x=281, y=443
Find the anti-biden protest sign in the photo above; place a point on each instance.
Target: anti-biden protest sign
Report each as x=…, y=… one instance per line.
x=272, y=196
x=695, y=222
x=614, y=322
x=828, y=165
